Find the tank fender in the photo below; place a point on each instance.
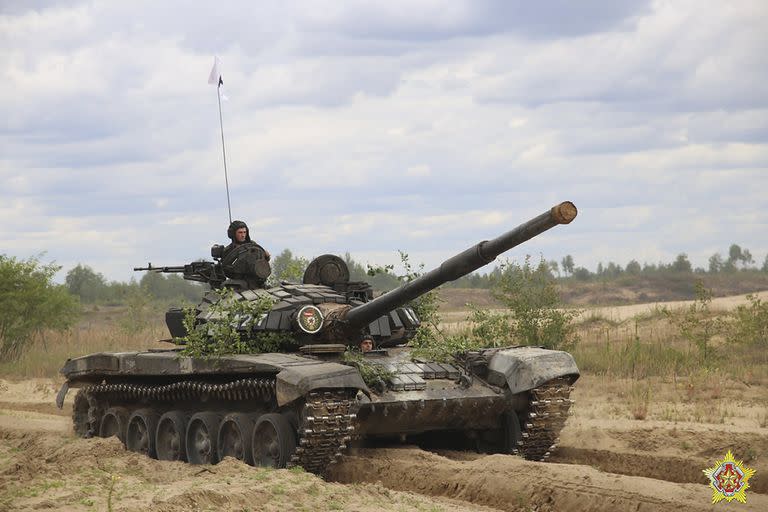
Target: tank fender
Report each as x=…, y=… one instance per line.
x=525, y=368
x=299, y=380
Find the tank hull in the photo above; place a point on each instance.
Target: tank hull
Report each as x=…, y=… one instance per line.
x=325, y=404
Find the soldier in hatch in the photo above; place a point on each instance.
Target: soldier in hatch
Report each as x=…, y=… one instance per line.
x=239, y=234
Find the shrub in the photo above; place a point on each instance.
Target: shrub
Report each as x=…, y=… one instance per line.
x=697, y=324
x=530, y=293
x=29, y=303
x=749, y=324
x=534, y=317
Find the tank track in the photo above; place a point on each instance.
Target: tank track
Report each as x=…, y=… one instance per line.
x=547, y=413
x=326, y=427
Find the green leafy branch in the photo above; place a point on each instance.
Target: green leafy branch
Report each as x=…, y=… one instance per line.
x=373, y=374
x=230, y=328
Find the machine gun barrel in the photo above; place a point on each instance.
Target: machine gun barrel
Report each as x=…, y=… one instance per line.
x=460, y=265
x=200, y=271
x=175, y=269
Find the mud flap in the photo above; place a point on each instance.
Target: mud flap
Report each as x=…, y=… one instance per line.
x=62, y=395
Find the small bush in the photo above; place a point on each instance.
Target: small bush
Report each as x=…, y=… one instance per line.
x=29, y=303
x=530, y=293
x=749, y=324
x=534, y=317
x=697, y=324
x=139, y=314
x=638, y=400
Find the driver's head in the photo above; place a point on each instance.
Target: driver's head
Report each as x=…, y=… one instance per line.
x=238, y=232
x=366, y=345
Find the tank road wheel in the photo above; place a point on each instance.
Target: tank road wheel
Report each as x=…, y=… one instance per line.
x=201, y=438
x=235, y=437
x=273, y=441
x=171, y=437
x=114, y=423
x=510, y=424
x=140, y=435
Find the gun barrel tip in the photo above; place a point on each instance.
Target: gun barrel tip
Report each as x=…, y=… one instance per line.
x=565, y=212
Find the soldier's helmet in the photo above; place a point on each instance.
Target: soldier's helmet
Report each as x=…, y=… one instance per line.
x=237, y=224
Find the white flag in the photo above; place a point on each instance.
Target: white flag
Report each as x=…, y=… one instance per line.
x=215, y=77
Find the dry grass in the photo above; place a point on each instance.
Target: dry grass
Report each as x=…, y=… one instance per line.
x=643, y=346
x=651, y=346
x=97, y=332
x=649, y=372
x=639, y=399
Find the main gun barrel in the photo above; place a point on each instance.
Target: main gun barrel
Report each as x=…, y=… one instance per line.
x=461, y=264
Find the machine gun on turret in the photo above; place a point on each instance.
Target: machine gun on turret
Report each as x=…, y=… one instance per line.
x=241, y=267
x=208, y=272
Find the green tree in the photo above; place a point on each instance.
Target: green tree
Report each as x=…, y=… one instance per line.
x=682, y=264
x=715, y=263
x=171, y=287
x=30, y=302
x=567, y=264
x=746, y=258
x=286, y=267
x=582, y=274
x=87, y=284
x=633, y=267
x=764, y=268
x=381, y=278
x=613, y=269
x=735, y=255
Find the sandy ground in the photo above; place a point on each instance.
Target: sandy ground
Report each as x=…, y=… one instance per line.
x=605, y=461
x=621, y=313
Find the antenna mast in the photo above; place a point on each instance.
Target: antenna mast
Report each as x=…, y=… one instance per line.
x=215, y=79
x=223, y=150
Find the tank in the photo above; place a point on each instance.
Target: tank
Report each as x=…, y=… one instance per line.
x=306, y=403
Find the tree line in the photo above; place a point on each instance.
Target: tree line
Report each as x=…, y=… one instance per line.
x=92, y=287
x=31, y=302
x=738, y=259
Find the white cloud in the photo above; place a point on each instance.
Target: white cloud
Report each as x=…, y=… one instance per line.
x=375, y=127
x=420, y=170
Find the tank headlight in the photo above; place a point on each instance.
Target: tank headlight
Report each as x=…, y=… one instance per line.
x=310, y=319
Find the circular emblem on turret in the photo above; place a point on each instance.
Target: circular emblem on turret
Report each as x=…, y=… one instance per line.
x=310, y=319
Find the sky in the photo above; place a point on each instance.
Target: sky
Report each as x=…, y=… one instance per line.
x=372, y=127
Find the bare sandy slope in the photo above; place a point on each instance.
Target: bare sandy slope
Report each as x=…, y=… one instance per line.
x=602, y=465
x=621, y=313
